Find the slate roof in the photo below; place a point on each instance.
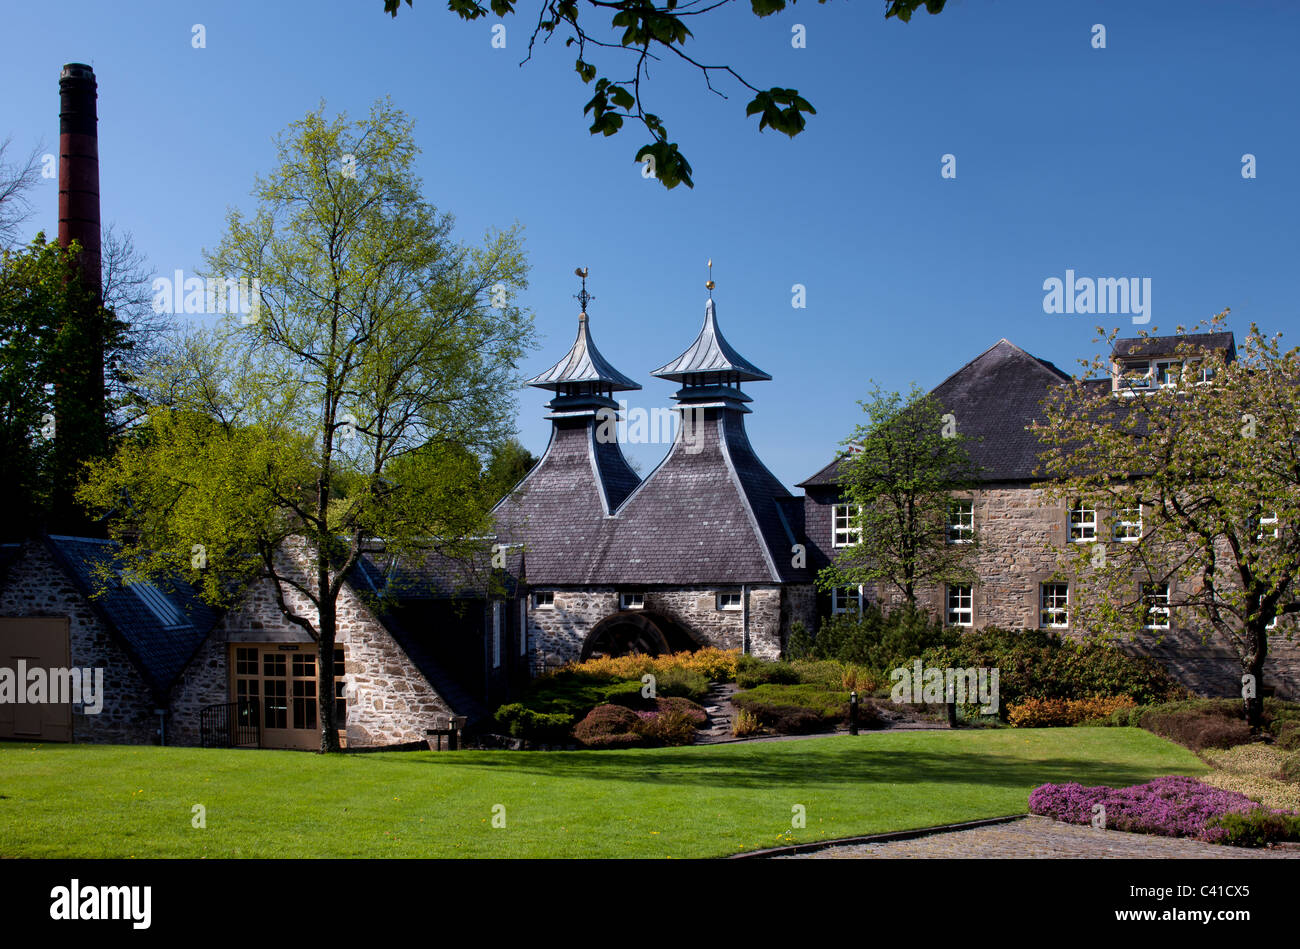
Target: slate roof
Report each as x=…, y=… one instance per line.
x=161, y=650
x=994, y=397
x=710, y=353
x=1168, y=345
x=436, y=574
x=583, y=363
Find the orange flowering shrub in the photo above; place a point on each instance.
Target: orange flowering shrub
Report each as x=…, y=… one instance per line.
x=1055, y=713
x=718, y=665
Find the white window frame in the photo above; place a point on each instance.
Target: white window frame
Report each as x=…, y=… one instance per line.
x=631, y=601
x=1123, y=531
x=544, y=604
x=846, y=535
x=960, y=512
x=731, y=600
x=846, y=600
x=1171, y=379
x=1151, y=608
x=1084, y=531
x=953, y=591
x=1129, y=380
x=1053, y=612
x=1264, y=523
x=497, y=610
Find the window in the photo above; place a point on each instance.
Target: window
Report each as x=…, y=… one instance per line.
x=844, y=530
x=632, y=601
x=304, y=690
x=163, y=609
x=1083, y=523
x=1054, y=605
x=1128, y=524
x=846, y=600
x=496, y=633
x=960, y=611
x=961, y=521
x=544, y=600
x=1268, y=527
x=1155, y=599
x=729, y=601
x=1168, y=373
x=523, y=627
x=1136, y=375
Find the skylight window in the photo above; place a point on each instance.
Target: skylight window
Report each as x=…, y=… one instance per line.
x=163, y=609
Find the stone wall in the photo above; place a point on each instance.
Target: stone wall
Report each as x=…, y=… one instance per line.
x=556, y=635
x=1023, y=542
x=37, y=585
x=389, y=701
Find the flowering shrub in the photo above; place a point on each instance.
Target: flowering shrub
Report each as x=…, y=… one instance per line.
x=1053, y=713
x=670, y=727
x=719, y=665
x=1174, y=806
x=683, y=706
x=609, y=726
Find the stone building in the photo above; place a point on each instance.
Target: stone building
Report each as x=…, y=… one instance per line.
x=1022, y=537
x=703, y=552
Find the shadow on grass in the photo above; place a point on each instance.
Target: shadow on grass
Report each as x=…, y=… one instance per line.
x=835, y=761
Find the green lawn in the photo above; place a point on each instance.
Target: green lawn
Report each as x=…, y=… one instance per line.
x=124, y=801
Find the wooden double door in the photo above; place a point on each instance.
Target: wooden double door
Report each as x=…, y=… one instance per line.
x=276, y=683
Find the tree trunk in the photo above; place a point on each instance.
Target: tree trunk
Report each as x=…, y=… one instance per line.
x=1253, y=665
x=329, y=734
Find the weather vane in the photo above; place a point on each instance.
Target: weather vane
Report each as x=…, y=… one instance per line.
x=583, y=297
x=709, y=283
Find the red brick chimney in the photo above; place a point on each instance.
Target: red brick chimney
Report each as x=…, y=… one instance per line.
x=79, y=167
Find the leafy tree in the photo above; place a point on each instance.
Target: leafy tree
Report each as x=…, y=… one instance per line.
x=650, y=31
x=1208, y=466
x=509, y=462
x=346, y=412
x=52, y=413
x=900, y=473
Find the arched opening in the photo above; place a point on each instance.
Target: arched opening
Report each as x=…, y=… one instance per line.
x=635, y=633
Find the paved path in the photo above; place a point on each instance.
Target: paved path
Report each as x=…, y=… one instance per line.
x=1044, y=837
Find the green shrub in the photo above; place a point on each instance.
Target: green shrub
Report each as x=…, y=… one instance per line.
x=520, y=721
x=799, y=709
x=877, y=640
x=1257, y=828
x=609, y=726
x=577, y=693
x=1039, y=664
x=683, y=682
x=1288, y=737
x=751, y=672
x=1290, y=770
x=800, y=644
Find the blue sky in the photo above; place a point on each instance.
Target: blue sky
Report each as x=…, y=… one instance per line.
x=1115, y=162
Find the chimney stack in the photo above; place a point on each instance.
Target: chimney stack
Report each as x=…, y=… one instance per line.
x=79, y=167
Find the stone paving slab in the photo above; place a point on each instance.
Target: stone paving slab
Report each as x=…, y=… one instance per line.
x=1044, y=837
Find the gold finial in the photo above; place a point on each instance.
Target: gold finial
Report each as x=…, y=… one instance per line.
x=709, y=283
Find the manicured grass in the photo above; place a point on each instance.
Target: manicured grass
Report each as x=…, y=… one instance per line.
x=123, y=801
